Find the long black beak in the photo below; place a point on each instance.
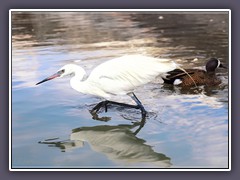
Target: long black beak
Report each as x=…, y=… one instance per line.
x=222, y=66
x=58, y=74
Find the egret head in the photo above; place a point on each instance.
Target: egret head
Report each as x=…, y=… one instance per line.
x=66, y=70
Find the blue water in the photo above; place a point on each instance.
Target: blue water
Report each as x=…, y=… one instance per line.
x=51, y=123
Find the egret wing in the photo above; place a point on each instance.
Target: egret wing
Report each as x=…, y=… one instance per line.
x=123, y=74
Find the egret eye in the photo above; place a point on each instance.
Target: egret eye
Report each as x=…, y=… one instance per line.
x=61, y=71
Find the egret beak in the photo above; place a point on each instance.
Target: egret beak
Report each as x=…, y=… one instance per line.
x=222, y=66
x=58, y=74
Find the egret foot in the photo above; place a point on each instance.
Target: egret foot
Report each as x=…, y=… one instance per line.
x=99, y=105
x=105, y=105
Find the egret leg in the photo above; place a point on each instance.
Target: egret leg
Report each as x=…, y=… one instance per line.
x=99, y=105
x=123, y=104
x=105, y=103
x=132, y=95
x=139, y=104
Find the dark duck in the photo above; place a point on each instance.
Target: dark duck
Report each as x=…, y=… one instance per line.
x=200, y=77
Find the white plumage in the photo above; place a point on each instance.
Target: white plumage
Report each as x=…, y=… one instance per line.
x=118, y=76
x=123, y=75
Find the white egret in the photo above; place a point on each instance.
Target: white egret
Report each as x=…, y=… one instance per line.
x=118, y=76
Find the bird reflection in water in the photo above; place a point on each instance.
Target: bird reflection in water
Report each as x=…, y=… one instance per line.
x=206, y=90
x=119, y=143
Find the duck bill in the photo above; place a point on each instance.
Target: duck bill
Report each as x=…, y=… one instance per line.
x=222, y=66
x=50, y=78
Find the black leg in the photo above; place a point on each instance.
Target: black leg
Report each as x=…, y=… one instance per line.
x=105, y=103
x=139, y=104
x=123, y=104
x=132, y=95
x=99, y=105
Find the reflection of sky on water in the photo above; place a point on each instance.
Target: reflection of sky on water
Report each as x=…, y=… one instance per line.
x=190, y=129
x=185, y=127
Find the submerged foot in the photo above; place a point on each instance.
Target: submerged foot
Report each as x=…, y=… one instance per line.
x=104, y=104
x=96, y=108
